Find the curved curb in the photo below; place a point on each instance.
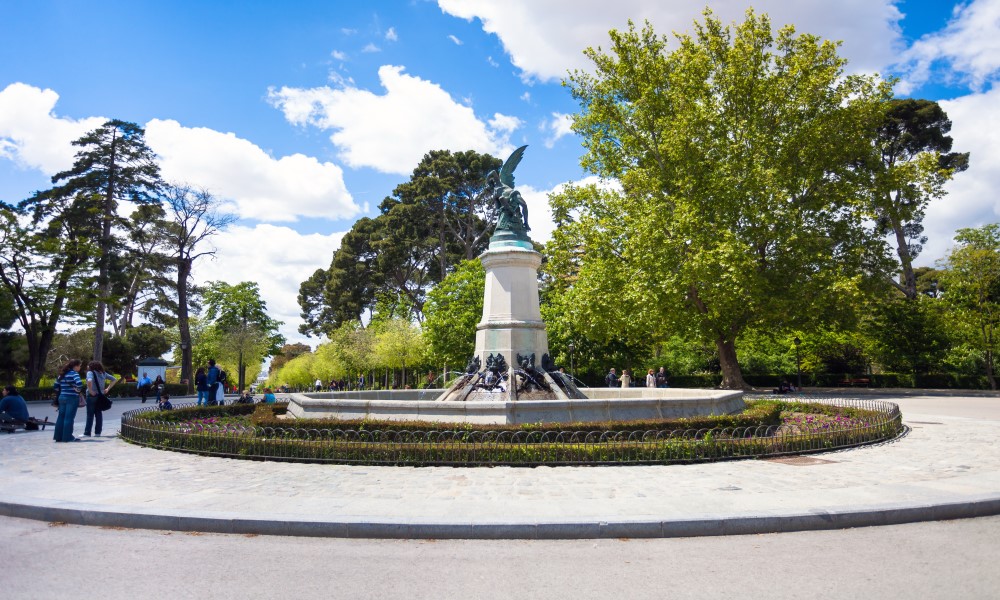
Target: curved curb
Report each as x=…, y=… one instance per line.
x=82, y=514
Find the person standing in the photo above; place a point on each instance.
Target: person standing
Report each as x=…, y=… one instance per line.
x=144, y=384
x=626, y=378
x=97, y=385
x=201, y=384
x=319, y=385
x=70, y=391
x=661, y=378
x=159, y=384
x=611, y=379
x=212, y=378
x=650, y=379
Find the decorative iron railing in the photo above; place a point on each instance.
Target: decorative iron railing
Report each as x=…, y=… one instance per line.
x=876, y=421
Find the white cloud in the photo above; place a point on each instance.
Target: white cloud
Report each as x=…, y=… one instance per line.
x=967, y=50
x=545, y=39
x=972, y=198
x=391, y=132
x=260, y=186
x=369, y=48
x=278, y=259
x=504, y=124
x=526, y=96
x=391, y=34
x=457, y=41
x=559, y=126
x=337, y=54
x=32, y=135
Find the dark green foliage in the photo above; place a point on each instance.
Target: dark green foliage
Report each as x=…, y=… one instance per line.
x=431, y=222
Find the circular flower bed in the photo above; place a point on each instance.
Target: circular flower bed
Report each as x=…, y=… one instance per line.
x=770, y=426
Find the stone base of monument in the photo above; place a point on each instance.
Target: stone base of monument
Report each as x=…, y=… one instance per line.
x=601, y=404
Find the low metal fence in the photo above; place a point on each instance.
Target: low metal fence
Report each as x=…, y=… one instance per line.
x=874, y=421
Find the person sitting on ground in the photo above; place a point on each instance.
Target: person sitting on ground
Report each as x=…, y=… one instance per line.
x=12, y=406
x=269, y=396
x=245, y=398
x=165, y=402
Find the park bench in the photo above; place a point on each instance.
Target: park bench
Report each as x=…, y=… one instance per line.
x=865, y=381
x=31, y=424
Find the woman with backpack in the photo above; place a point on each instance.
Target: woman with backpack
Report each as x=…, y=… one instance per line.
x=70, y=398
x=97, y=386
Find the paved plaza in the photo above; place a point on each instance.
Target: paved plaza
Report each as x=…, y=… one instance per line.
x=946, y=466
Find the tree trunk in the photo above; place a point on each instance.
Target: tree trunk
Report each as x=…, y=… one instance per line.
x=988, y=338
x=732, y=375
x=183, y=324
x=909, y=283
x=242, y=372
x=103, y=278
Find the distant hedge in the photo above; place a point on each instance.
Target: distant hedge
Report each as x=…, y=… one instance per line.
x=121, y=390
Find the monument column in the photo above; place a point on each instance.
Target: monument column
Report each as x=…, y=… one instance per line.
x=512, y=323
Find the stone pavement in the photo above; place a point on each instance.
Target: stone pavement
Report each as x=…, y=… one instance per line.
x=945, y=467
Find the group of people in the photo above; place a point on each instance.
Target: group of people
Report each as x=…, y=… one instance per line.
x=337, y=385
x=74, y=394
x=654, y=379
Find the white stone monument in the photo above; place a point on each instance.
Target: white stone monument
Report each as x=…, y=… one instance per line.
x=512, y=322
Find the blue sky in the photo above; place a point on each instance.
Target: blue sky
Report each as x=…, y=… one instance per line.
x=303, y=115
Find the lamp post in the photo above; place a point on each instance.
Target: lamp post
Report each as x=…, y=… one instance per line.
x=572, y=371
x=798, y=365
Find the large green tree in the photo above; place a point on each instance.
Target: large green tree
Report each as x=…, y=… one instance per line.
x=43, y=268
x=449, y=186
x=428, y=224
x=114, y=165
x=737, y=154
x=971, y=278
x=192, y=217
x=912, y=164
x=454, y=308
x=246, y=333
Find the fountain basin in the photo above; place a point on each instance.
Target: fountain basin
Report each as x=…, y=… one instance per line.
x=601, y=404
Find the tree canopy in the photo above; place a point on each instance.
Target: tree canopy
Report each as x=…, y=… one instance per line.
x=736, y=153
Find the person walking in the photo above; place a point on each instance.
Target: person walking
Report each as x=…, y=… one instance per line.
x=201, y=384
x=97, y=385
x=650, y=379
x=70, y=396
x=143, y=385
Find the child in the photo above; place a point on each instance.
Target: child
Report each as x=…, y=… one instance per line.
x=165, y=403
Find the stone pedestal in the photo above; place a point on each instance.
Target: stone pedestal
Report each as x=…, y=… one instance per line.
x=512, y=323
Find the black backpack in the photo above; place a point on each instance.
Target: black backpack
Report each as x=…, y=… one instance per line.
x=222, y=376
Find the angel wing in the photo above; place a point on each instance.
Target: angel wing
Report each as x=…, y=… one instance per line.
x=507, y=170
